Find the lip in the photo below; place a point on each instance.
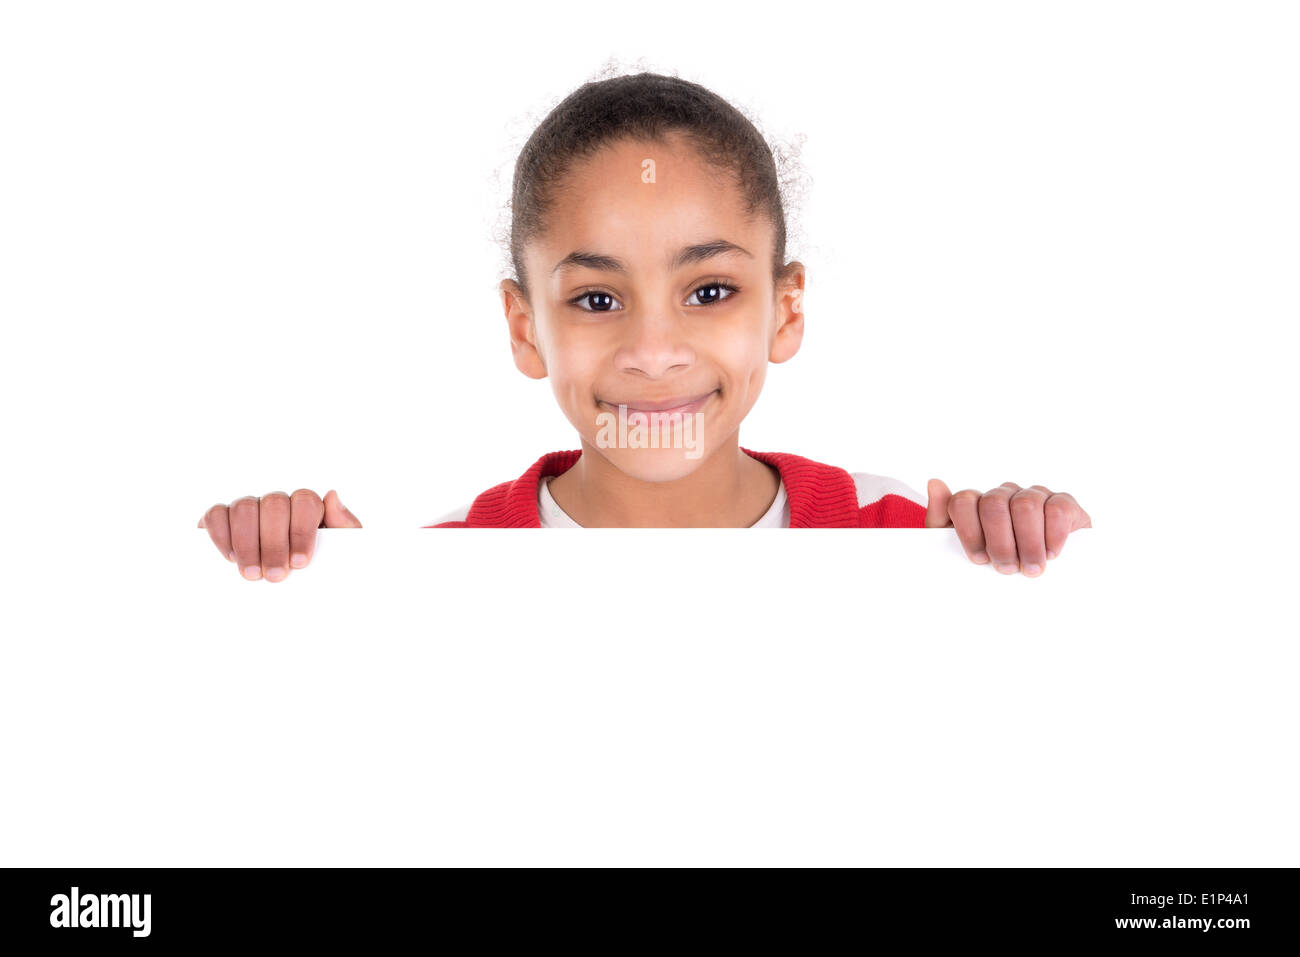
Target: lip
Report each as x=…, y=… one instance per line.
x=684, y=405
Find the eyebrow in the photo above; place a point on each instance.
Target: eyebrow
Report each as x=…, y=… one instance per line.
x=685, y=256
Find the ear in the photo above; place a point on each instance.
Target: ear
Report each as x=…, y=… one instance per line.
x=523, y=332
x=789, y=313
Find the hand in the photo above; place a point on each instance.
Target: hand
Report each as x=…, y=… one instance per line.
x=1019, y=529
x=265, y=536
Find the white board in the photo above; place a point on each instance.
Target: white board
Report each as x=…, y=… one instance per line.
x=780, y=696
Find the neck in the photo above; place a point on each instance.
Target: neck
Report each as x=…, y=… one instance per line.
x=729, y=490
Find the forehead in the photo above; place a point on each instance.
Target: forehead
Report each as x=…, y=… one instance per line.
x=606, y=203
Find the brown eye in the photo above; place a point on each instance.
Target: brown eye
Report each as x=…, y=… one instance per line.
x=711, y=293
x=594, y=301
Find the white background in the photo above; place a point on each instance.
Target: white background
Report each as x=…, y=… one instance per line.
x=254, y=246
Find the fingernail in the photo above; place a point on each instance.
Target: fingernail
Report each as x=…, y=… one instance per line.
x=980, y=558
x=1008, y=569
x=1051, y=554
x=231, y=556
x=297, y=560
x=274, y=574
x=252, y=572
x=1032, y=570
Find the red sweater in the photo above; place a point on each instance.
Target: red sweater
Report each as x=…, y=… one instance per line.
x=820, y=496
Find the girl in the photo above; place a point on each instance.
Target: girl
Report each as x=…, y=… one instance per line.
x=648, y=243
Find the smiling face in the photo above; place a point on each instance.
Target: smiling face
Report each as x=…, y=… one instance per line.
x=654, y=295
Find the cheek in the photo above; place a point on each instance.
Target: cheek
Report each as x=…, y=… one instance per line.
x=573, y=370
x=743, y=352
x=751, y=387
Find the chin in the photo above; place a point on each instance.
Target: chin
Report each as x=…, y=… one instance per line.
x=656, y=465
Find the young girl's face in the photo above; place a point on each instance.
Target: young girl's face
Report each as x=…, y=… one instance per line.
x=653, y=290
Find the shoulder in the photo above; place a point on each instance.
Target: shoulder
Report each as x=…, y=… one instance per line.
x=872, y=488
x=488, y=509
x=511, y=504
x=885, y=502
x=827, y=496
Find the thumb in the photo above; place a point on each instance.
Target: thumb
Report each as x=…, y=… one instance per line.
x=336, y=513
x=936, y=513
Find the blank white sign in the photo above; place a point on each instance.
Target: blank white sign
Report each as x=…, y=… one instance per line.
x=649, y=696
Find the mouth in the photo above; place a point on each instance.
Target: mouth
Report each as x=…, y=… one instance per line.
x=675, y=405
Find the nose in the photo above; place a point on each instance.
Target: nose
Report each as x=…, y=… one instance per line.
x=655, y=343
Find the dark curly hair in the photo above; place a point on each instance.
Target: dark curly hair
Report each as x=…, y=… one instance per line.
x=643, y=106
